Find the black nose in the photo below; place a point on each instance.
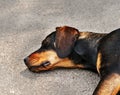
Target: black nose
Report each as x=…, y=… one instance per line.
x=26, y=61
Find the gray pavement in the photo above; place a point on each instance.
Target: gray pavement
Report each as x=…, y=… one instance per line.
x=25, y=23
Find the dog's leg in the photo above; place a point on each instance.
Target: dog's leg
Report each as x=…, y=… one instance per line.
x=109, y=85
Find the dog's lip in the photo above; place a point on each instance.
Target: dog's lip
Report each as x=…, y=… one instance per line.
x=38, y=69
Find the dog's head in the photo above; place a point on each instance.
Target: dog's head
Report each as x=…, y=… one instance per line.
x=54, y=50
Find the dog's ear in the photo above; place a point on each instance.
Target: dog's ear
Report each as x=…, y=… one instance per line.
x=65, y=40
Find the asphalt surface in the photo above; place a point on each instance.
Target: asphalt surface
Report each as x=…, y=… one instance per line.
x=25, y=23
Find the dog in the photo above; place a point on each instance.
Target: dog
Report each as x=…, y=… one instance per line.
x=67, y=47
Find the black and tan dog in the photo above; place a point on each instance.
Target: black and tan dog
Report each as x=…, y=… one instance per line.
x=69, y=48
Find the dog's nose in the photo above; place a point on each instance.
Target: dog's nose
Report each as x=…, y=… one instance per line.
x=26, y=61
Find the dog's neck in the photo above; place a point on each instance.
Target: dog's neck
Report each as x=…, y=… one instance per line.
x=85, y=50
x=91, y=35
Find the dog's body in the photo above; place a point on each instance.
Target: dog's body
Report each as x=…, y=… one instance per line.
x=108, y=64
x=69, y=48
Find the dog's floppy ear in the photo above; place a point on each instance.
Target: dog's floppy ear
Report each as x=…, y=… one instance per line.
x=65, y=40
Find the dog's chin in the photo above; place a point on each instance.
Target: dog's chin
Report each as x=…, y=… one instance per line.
x=38, y=69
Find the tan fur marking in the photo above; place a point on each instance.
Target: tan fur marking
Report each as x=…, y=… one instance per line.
x=99, y=62
x=51, y=56
x=66, y=63
x=116, y=90
x=83, y=35
x=110, y=85
x=38, y=58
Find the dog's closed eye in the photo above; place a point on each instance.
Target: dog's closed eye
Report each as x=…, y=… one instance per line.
x=44, y=64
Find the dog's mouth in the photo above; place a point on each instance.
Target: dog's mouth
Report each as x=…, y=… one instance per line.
x=42, y=67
